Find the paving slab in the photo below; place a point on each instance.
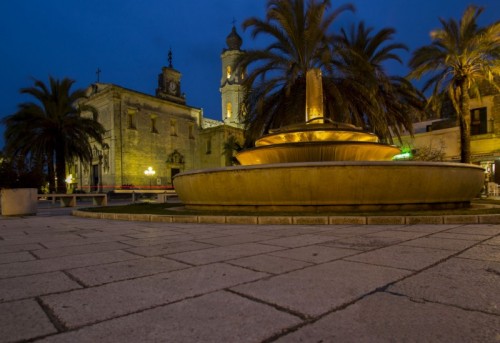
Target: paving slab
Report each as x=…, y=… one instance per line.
x=468, y=284
x=270, y=264
x=402, y=235
x=23, y=320
x=440, y=243
x=91, y=305
x=466, y=236
x=82, y=241
x=169, y=248
x=493, y=241
x=64, y=262
x=319, y=289
x=487, y=230
x=35, y=285
x=217, y=317
x=299, y=241
x=19, y=247
x=112, y=272
x=315, y=253
x=79, y=249
x=405, y=257
x=20, y=256
x=363, y=243
x=234, y=239
x=225, y=253
x=388, y=318
x=483, y=252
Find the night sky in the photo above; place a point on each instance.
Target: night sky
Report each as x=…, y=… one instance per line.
x=129, y=40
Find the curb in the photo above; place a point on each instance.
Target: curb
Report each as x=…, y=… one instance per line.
x=296, y=220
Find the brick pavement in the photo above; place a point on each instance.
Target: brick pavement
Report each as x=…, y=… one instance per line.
x=70, y=279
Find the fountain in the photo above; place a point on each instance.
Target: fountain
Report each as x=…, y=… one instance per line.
x=325, y=166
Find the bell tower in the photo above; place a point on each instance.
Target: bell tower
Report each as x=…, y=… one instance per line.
x=231, y=81
x=169, y=83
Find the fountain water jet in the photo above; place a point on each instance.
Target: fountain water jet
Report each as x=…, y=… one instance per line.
x=320, y=166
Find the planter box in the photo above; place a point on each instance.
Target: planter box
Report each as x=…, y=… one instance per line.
x=19, y=201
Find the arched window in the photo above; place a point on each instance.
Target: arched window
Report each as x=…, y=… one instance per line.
x=229, y=110
x=228, y=72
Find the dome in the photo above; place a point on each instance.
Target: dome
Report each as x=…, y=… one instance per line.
x=234, y=40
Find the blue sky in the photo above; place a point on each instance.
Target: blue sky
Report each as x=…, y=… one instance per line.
x=129, y=39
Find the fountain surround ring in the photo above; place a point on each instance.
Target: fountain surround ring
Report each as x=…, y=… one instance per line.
x=331, y=186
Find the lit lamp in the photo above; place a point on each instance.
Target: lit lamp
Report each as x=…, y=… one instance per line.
x=149, y=173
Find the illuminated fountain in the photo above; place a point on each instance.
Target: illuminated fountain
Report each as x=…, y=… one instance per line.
x=321, y=166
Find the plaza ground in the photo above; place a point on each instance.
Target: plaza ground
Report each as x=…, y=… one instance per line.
x=71, y=279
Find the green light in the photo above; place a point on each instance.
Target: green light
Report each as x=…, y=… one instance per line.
x=403, y=156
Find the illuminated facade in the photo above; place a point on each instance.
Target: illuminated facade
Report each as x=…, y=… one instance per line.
x=161, y=132
x=444, y=135
x=232, y=78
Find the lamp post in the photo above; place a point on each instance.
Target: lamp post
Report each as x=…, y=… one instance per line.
x=149, y=173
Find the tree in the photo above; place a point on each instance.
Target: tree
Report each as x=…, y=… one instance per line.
x=230, y=147
x=275, y=88
x=389, y=103
x=356, y=88
x=461, y=58
x=53, y=128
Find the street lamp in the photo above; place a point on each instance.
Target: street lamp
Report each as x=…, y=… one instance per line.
x=149, y=173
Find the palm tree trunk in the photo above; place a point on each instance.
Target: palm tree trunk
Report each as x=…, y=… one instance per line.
x=464, y=117
x=60, y=170
x=51, y=173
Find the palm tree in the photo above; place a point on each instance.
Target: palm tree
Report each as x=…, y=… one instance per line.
x=276, y=87
x=390, y=103
x=230, y=147
x=461, y=59
x=52, y=128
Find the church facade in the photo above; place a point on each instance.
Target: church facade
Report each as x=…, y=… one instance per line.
x=149, y=139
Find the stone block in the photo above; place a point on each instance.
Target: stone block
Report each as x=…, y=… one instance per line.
x=383, y=317
x=35, y=285
x=223, y=253
x=270, y=264
x=160, y=218
x=489, y=219
x=275, y=220
x=95, y=304
x=23, y=320
x=341, y=282
x=385, y=220
x=184, y=219
x=241, y=220
x=415, y=220
x=215, y=317
x=310, y=220
x=400, y=256
x=113, y=272
x=347, y=220
x=212, y=219
x=460, y=219
x=462, y=283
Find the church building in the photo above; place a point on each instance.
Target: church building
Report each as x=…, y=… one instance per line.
x=149, y=139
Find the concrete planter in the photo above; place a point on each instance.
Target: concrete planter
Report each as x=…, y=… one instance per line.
x=19, y=201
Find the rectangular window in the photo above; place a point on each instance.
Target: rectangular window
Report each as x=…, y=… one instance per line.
x=478, y=121
x=131, y=119
x=209, y=146
x=153, y=125
x=191, y=131
x=173, y=127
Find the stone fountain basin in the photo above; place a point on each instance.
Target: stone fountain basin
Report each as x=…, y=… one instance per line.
x=318, y=151
x=331, y=186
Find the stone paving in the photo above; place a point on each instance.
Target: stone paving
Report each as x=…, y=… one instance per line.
x=70, y=279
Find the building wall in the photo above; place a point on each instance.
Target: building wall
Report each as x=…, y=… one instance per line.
x=485, y=147
x=142, y=131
